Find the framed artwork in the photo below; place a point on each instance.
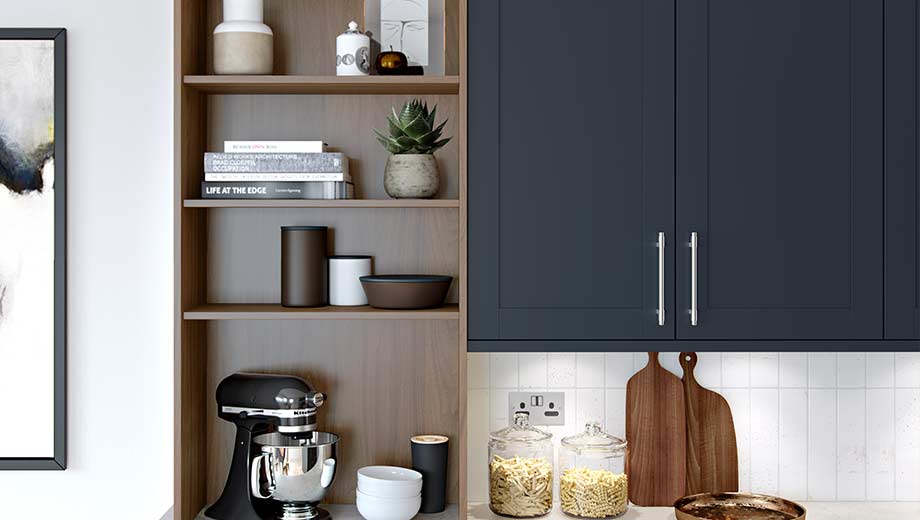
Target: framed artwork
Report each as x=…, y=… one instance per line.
x=413, y=27
x=33, y=149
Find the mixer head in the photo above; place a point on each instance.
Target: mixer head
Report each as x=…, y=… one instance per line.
x=256, y=400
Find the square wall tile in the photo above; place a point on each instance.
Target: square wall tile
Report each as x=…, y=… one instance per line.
x=822, y=444
x=793, y=443
x=851, y=370
x=498, y=406
x=739, y=400
x=503, y=369
x=615, y=404
x=532, y=370
x=765, y=440
x=907, y=443
x=793, y=370
x=907, y=369
x=619, y=368
x=589, y=404
x=736, y=370
x=880, y=369
x=589, y=370
x=880, y=442
x=851, y=444
x=708, y=371
x=822, y=370
x=560, y=370
x=764, y=369
x=477, y=370
x=671, y=362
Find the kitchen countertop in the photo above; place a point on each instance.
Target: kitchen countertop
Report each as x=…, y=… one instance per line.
x=815, y=511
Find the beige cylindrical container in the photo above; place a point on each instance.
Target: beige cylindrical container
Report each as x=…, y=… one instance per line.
x=592, y=482
x=242, y=43
x=521, y=470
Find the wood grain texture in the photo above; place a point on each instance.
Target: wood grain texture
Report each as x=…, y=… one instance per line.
x=386, y=381
x=462, y=397
x=243, y=311
x=656, y=432
x=190, y=261
x=404, y=85
x=454, y=36
x=346, y=123
x=351, y=203
x=712, y=453
x=244, y=246
x=305, y=32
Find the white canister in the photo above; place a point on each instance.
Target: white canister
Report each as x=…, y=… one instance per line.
x=352, y=52
x=242, y=43
x=345, y=272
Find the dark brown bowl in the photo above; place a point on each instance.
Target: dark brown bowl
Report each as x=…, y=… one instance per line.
x=406, y=291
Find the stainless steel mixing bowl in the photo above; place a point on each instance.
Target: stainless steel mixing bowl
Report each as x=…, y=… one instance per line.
x=298, y=471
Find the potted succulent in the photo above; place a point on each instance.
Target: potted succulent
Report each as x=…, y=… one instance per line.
x=412, y=170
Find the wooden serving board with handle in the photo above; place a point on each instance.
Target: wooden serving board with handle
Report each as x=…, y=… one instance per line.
x=712, y=452
x=656, y=432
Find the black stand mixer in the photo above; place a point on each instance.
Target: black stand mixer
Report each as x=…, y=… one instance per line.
x=281, y=466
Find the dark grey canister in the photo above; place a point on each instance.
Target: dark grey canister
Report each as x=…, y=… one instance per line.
x=429, y=457
x=303, y=266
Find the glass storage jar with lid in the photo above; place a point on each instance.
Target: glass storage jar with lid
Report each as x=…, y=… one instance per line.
x=593, y=474
x=521, y=469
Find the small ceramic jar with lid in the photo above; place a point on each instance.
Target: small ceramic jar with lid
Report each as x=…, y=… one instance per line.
x=242, y=43
x=593, y=480
x=521, y=469
x=352, y=52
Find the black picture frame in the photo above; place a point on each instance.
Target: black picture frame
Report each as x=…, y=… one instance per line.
x=59, y=460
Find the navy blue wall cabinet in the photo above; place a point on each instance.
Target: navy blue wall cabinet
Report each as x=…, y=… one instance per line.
x=902, y=171
x=759, y=127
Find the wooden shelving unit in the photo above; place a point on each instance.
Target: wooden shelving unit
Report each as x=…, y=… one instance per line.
x=265, y=311
x=408, y=85
x=228, y=251
x=351, y=203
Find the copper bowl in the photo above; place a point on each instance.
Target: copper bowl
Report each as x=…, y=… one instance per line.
x=406, y=291
x=737, y=506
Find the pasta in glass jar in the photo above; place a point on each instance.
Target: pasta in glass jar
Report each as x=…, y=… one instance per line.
x=593, y=481
x=521, y=470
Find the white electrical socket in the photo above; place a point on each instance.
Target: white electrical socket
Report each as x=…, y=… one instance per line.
x=545, y=408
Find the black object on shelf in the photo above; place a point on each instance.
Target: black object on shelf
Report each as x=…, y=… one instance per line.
x=429, y=457
x=303, y=266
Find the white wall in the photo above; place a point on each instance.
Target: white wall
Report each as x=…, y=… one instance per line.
x=810, y=426
x=119, y=263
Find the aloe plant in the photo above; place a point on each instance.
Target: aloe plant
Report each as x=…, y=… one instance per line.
x=412, y=130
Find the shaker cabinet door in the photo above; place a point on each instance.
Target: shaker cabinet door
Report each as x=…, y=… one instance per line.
x=571, y=169
x=902, y=171
x=779, y=169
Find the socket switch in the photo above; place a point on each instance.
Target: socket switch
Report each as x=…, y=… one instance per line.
x=545, y=408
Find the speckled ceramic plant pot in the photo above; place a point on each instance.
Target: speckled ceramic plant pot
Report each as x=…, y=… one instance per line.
x=411, y=176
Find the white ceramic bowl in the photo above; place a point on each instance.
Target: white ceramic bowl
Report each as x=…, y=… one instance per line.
x=389, y=482
x=376, y=508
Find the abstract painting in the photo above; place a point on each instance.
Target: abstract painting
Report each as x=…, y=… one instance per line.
x=32, y=246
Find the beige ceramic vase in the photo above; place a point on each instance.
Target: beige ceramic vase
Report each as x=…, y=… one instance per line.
x=411, y=176
x=242, y=43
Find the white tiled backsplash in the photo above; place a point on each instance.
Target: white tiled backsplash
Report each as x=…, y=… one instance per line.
x=810, y=426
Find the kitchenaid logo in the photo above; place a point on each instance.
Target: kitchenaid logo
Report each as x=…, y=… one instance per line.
x=301, y=412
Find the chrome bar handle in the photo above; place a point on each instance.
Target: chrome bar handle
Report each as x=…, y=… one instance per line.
x=694, y=253
x=661, y=278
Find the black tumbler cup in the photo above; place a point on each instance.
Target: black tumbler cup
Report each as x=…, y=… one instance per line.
x=429, y=457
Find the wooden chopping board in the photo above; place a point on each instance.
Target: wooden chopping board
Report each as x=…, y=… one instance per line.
x=712, y=452
x=656, y=433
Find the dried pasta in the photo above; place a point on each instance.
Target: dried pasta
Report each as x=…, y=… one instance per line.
x=593, y=493
x=520, y=486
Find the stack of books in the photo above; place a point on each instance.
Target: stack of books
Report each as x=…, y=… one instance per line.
x=276, y=170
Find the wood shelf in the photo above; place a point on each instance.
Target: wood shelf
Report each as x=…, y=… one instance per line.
x=351, y=203
x=324, y=84
x=258, y=311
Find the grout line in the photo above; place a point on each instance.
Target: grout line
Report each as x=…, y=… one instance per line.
x=866, y=425
x=807, y=425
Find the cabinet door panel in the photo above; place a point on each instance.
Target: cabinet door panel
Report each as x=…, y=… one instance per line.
x=902, y=171
x=779, y=168
x=571, y=173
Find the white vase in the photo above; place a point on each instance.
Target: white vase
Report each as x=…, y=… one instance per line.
x=411, y=176
x=242, y=43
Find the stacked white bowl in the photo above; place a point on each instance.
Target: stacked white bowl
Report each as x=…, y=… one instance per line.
x=389, y=493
